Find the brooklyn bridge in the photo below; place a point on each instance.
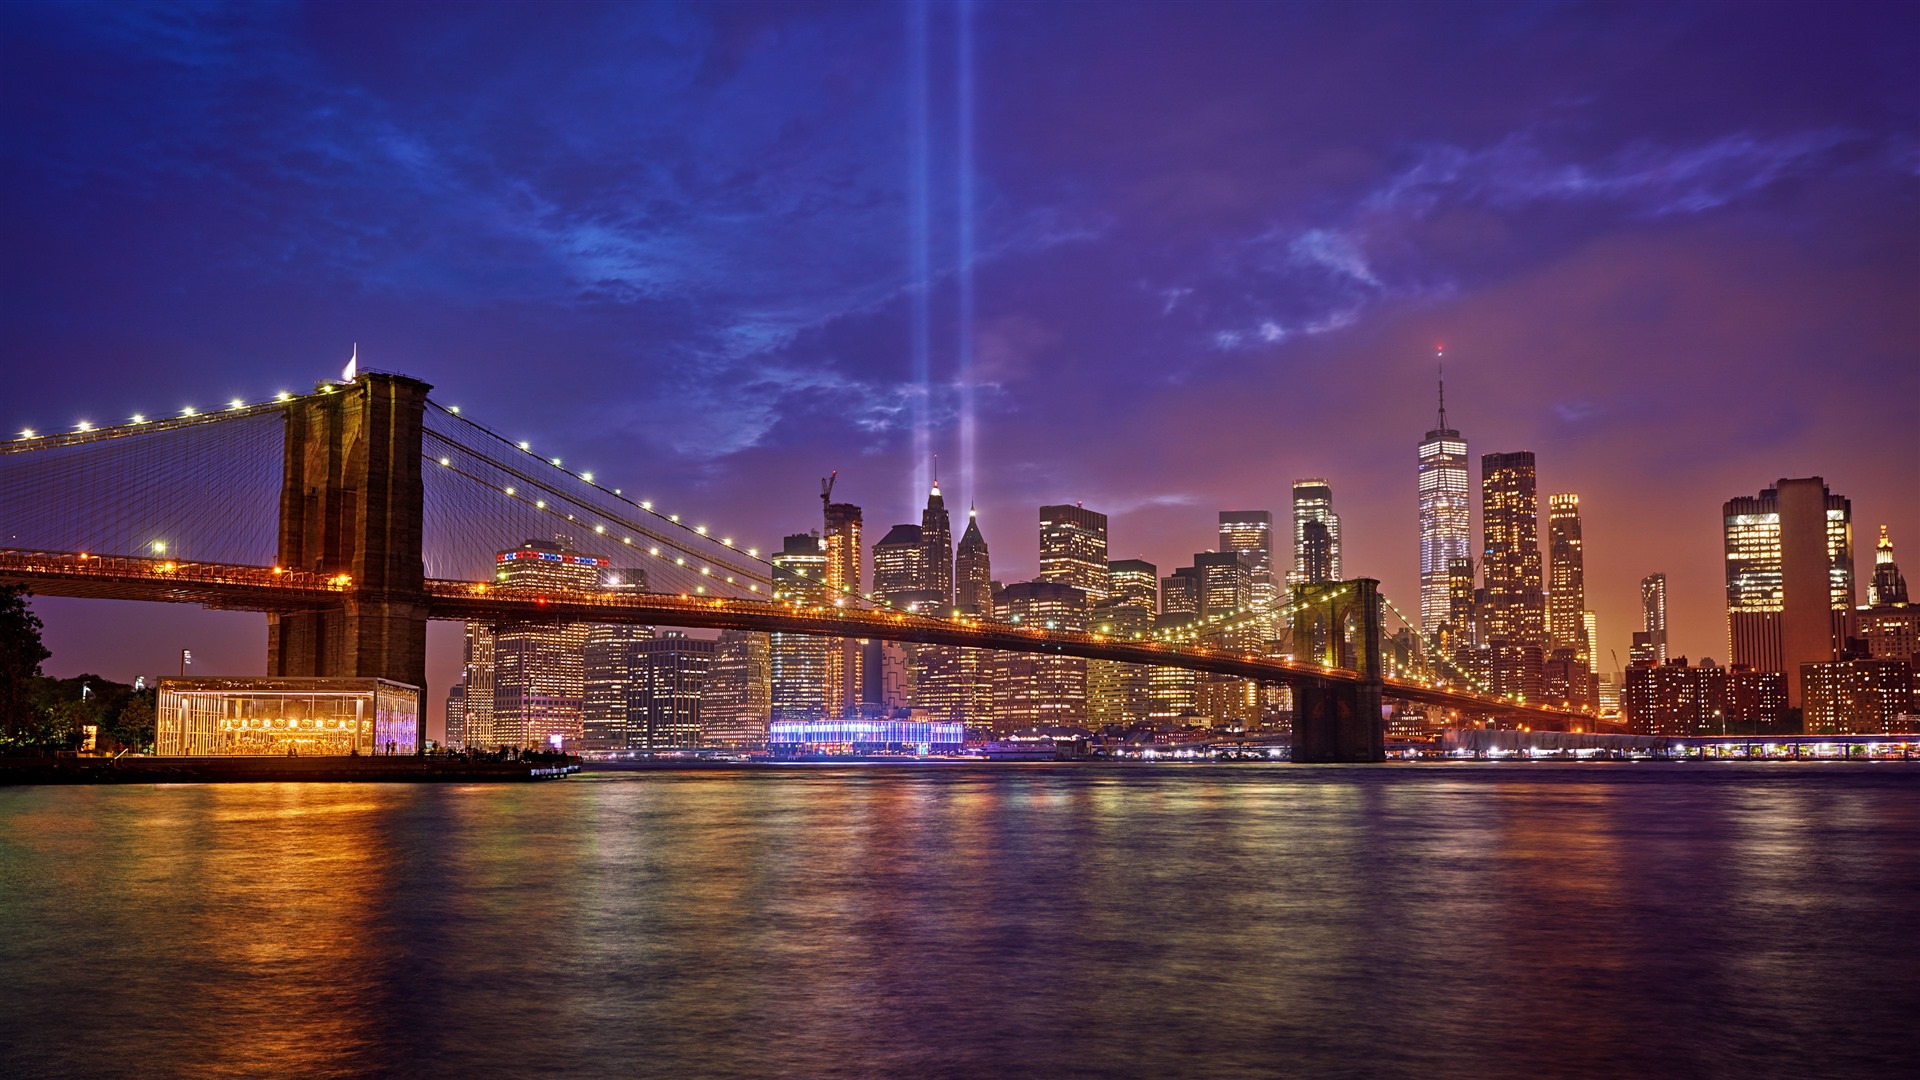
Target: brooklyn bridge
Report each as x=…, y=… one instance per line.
x=356, y=513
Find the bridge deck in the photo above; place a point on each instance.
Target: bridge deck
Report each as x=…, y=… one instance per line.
x=257, y=588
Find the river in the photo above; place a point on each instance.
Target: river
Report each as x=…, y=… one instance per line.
x=1462, y=920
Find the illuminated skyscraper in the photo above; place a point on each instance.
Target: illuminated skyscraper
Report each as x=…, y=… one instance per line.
x=1251, y=531
x=737, y=698
x=538, y=670
x=663, y=700
x=1510, y=558
x=1789, y=577
x=1041, y=689
x=1119, y=693
x=1566, y=576
x=798, y=662
x=1313, y=501
x=1073, y=548
x=608, y=658
x=936, y=533
x=1445, y=494
x=973, y=570
x=477, y=676
x=844, y=657
x=1653, y=616
x=1888, y=586
x=899, y=563
x=1316, y=554
x=456, y=714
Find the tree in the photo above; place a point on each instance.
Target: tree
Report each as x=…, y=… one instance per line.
x=20, y=655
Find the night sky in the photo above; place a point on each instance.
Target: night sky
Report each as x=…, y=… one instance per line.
x=1189, y=253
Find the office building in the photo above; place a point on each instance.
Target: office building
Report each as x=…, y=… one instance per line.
x=1316, y=554
x=1313, y=501
x=1040, y=689
x=664, y=698
x=936, y=533
x=1251, y=531
x=738, y=698
x=1120, y=694
x=845, y=661
x=1888, y=588
x=973, y=570
x=1653, y=616
x=455, y=737
x=899, y=563
x=1510, y=555
x=1445, y=507
x=798, y=662
x=1789, y=558
x=1566, y=576
x=539, y=670
x=608, y=660
x=1073, y=549
x=476, y=675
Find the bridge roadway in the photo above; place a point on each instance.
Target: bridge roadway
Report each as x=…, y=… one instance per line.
x=257, y=588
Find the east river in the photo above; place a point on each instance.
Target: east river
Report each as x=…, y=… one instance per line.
x=1510, y=920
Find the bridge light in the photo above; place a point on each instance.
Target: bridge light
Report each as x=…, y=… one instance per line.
x=84, y=425
x=680, y=560
x=587, y=476
x=653, y=551
x=540, y=504
x=236, y=403
x=446, y=461
x=728, y=541
x=139, y=419
x=285, y=396
x=626, y=539
x=188, y=411
x=601, y=529
x=524, y=445
x=673, y=517
x=700, y=588
x=753, y=553
x=556, y=463
x=646, y=504
x=159, y=547
x=706, y=570
x=27, y=433
x=454, y=409
x=753, y=588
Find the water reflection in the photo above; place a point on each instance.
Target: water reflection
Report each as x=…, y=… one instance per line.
x=1042, y=921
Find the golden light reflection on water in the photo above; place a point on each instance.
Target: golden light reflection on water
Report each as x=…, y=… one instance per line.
x=1235, y=921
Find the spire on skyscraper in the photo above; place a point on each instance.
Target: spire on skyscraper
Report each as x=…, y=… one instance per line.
x=1440, y=363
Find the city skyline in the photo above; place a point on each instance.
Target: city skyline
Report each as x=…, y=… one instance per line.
x=1217, y=309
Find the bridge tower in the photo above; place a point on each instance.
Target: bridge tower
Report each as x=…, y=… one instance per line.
x=1340, y=627
x=351, y=503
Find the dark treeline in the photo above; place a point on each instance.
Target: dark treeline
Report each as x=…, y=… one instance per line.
x=39, y=713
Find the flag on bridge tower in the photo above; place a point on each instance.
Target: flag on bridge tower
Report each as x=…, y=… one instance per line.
x=352, y=370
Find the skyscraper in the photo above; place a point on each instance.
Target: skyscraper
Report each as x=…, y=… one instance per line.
x=936, y=533
x=1251, y=531
x=1313, y=501
x=1445, y=494
x=899, y=563
x=1510, y=556
x=1566, y=576
x=1119, y=693
x=1073, y=548
x=844, y=552
x=737, y=698
x=1889, y=586
x=608, y=660
x=663, y=699
x=538, y=670
x=973, y=570
x=477, y=676
x=1316, y=554
x=798, y=662
x=1789, y=577
x=1653, y=615
x=1035, y=689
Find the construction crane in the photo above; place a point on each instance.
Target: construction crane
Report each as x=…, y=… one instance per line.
x=826, y=488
